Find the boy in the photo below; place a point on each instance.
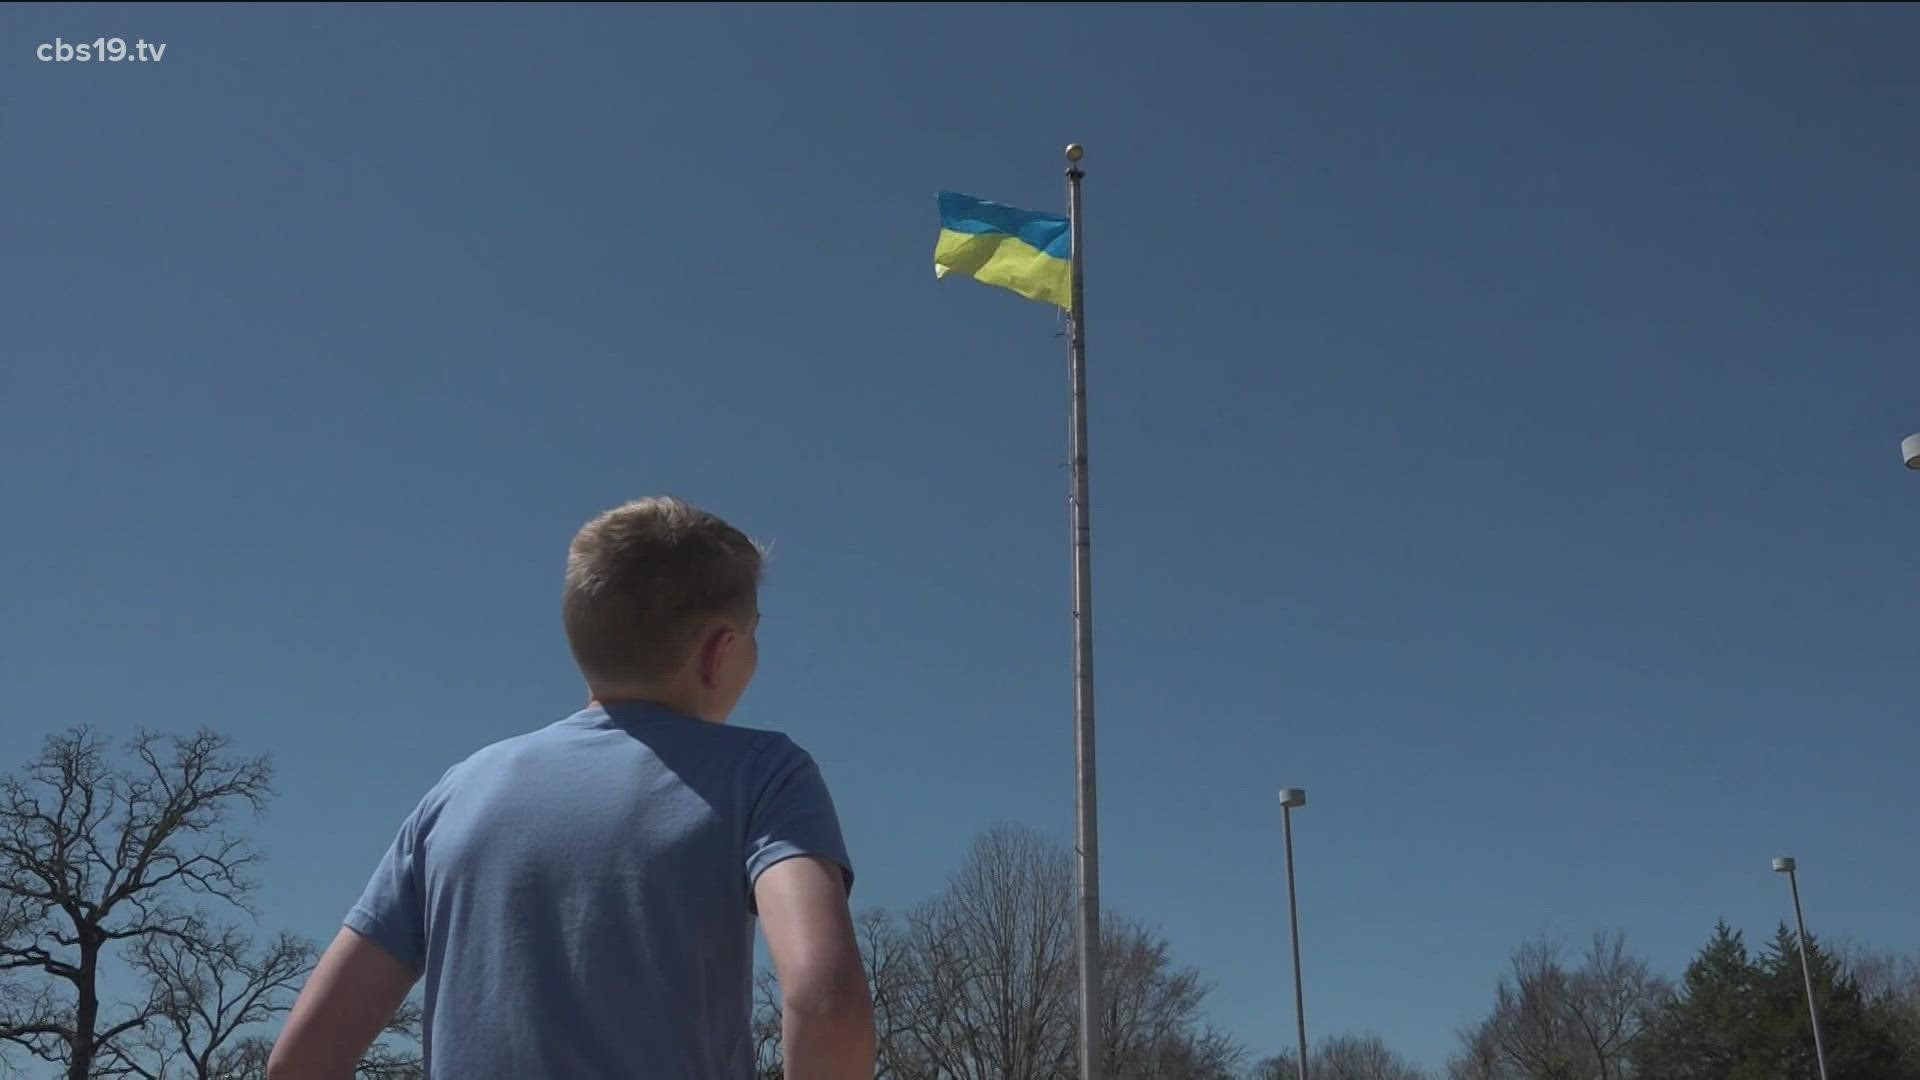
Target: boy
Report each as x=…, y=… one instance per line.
x=580, y=900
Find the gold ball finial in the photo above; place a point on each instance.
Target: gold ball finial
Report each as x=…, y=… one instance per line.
x=1075, y=152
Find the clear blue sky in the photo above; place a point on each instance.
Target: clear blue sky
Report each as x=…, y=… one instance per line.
x=1495, y=424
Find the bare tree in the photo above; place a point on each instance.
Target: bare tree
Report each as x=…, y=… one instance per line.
x=1612, y=995
x=95, y=856
x=1532, y=1023
x=1362, y=1057
x=1881, y=974
x=979, y=982
x=1479, y=1057
x=990, y=990
x=247, y=1058
x=1554, y=1022
x=769, y=1053
x=397, y=1055
x=1890, y=982
x=1343, y=1057
x=888, y=957
x=1153, y=1011
x=1205, y=1054
x=1146, y=1004
x=206, y=989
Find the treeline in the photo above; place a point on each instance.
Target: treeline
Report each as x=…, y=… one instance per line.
x=979, y=983
x=127, y=949
x=1734, y=1015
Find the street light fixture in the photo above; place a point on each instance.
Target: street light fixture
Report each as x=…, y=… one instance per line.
x=1290, y=800
x=1787, y=866
x=1910, y=451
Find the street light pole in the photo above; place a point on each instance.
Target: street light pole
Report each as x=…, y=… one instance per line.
x=1289, y=799
x=1788, y=867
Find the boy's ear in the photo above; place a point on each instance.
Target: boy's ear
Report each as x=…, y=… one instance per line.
x=713, y=654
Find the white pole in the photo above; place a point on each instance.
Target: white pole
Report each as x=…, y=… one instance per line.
x=1806, y=970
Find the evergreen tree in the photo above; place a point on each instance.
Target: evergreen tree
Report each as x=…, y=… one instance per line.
x=1704, y=1030
x=1739, y=1017
x=1861, y=1038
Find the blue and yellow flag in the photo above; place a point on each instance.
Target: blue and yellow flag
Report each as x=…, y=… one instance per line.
x=1016, y=249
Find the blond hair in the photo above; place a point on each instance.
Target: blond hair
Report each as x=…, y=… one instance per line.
x=645, y=581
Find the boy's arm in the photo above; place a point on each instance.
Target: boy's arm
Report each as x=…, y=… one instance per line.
x=826, y=1012
x=352, y=993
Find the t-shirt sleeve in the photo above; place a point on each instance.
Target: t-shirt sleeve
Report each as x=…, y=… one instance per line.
x=793, y=816
x=391, y=912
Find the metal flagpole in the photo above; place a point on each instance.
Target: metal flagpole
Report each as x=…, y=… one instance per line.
x=1092, y=1054
x=1288, y=800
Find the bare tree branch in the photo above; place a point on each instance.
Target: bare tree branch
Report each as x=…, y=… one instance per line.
x=96, y=854
x=210, y=986
x=397, y=1056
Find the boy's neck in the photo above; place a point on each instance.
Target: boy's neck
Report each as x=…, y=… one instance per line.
x=671, y=702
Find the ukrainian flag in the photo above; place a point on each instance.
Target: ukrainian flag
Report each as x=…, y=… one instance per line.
x=1016, y=249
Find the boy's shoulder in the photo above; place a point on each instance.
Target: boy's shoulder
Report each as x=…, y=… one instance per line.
x=490, y=755
x=763, y=749
x=488, y=760
x=773, y=751
x=770, y=738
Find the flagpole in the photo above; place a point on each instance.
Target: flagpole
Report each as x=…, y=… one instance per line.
x=1092, y=1055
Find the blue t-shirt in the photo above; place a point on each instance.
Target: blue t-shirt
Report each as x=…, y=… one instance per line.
x=578, y=899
